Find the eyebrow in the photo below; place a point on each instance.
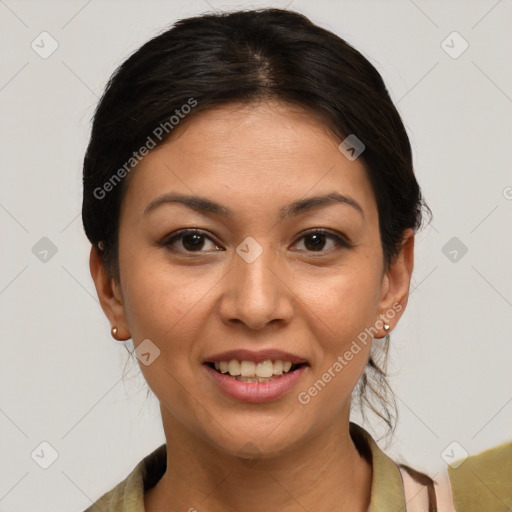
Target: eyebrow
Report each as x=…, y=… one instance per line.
x=204, y=205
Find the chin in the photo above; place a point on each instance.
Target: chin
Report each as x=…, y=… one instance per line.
x=256, y=436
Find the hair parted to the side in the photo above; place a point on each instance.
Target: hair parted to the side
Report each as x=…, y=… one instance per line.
x=240, y=57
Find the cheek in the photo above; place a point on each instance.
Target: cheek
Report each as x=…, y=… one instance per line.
x=158, y=301
x=346, y=302
x=347, y=305
x=341, y=314
x=157, y=295
x=166, y=308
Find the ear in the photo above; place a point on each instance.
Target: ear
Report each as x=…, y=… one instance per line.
x=109, y=294
x=396, y=282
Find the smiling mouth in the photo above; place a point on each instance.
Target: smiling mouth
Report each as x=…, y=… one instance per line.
x=249, y=371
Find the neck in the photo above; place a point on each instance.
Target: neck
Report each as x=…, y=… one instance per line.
x=325, y=473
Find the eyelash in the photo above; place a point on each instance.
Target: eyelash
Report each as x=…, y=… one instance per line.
x=340, y=241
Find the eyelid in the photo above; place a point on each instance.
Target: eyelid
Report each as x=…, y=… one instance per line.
x=340, y=239
x=176, y=235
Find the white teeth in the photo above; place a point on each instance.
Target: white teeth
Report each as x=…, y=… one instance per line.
x=278, y=367
x=234, y=367
x=264, y=369
x=249, y=369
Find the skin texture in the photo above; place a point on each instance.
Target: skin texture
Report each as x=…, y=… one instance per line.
x=309, y=300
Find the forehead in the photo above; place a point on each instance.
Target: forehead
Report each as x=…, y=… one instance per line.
x=268, y=152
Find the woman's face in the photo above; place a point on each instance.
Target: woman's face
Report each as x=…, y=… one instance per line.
x=257, y=276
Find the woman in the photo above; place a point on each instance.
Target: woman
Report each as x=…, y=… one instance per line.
x=251, y=202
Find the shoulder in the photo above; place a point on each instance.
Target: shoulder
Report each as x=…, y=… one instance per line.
x=483, y=481
x=125, y=496
x=128, y=495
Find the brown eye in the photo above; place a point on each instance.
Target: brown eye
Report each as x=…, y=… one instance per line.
x=316, y=241
x=192, y=242
x=189, y=240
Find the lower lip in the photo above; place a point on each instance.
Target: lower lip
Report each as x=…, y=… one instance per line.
x=256, y=392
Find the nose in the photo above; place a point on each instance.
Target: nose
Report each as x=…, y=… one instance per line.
x=256, y=293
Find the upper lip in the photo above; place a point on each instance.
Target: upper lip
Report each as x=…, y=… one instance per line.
x=255, y=356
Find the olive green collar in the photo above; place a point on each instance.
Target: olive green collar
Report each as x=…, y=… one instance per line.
x=387, y=491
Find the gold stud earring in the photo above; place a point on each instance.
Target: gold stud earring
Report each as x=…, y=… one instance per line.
x=114, y=332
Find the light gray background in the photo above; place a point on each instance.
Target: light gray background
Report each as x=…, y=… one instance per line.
x=61, y=372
